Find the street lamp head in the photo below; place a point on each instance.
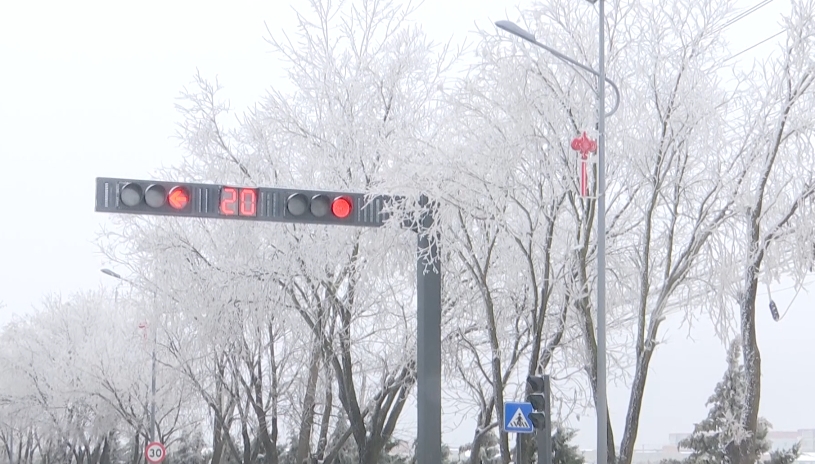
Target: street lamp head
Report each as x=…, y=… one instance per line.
x=515, y=29
x=111, y=273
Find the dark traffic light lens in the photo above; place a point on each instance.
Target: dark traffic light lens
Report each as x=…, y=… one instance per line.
x=535, y=383
x=320, y=205
x=297, y=204
x=155, y=196
x=538, y=420
x=131, y=194
x=538, y=401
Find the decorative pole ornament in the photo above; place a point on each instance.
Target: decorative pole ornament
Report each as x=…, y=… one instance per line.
x=584, y=145
x=143, y=329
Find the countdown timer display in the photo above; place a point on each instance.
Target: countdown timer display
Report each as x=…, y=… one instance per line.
x=238, y=202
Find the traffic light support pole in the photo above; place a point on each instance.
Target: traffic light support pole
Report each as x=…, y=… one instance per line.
x=114, y=195
x=428, y=340
x=543, y=438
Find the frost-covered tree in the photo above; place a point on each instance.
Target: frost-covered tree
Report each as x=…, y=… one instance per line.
x=563, y=451
x=772, y=232
x=309, y=330
x=676, y=180
x=721, y=436
x=76, y=383
x=299, y=327
x=524, y=108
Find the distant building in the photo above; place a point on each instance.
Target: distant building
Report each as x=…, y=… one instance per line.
x=778, y=440
x=806, y=458
x=645, y=456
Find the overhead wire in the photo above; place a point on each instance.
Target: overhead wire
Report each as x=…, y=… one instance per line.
x=743, y=15
x=753, y=46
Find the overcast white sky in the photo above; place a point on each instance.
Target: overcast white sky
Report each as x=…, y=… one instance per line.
x=87, y=89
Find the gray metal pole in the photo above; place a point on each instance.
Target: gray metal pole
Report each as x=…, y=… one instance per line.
x=152, y=431
x=428, y=339
x=543, y=438
x=602, y=407
x=547, y=437
x=153, y=388
x=516, y=30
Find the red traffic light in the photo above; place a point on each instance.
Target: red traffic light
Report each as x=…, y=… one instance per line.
x=319, y=205
x=341, y=207
x=179, y=197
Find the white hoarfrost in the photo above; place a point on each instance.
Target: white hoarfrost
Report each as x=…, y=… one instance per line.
x=301, y=338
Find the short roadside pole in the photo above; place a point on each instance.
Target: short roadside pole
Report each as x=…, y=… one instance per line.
x=540, y=398
x=532, y=416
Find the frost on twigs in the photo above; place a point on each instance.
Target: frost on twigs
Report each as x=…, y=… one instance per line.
x=318, y=319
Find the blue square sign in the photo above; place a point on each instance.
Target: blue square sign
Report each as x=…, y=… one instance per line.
x=516, y=418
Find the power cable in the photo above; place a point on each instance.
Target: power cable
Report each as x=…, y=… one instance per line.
x=753, y=46
x=743, y=15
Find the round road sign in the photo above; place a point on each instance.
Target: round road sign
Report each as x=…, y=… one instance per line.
x=155, y=452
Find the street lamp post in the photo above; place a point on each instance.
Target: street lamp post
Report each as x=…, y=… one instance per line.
x=602, y=407
x=153, y=365
x=602, y=400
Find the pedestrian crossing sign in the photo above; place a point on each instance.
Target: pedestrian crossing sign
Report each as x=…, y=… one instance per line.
x=516, y=418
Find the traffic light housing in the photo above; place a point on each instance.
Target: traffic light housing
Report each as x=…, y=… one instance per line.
x=539, y=398
x=248, y=203
x=158, y=197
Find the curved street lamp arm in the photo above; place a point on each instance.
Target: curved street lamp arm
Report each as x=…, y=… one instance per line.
x=514, y=29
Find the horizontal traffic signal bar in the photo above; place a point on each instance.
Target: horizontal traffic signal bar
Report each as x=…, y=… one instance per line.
x=247, y=203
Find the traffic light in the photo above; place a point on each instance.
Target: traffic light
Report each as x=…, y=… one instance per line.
x=319, y=206
x=248, y=203
x=539, y=398
x=153, y=197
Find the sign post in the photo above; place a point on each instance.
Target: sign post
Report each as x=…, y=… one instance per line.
x=155, y=453
x=517, y=420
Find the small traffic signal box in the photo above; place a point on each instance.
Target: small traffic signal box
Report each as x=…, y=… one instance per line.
x=539, y=397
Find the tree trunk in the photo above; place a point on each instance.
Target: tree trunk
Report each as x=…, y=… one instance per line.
x=217, y=443
x=632, y=418
x=482, y=426
x=306, y=424
x=373, y=448
x=752, y=365
x=260, y=411
x=247, y=442
x=136, y=456
x=325, y=422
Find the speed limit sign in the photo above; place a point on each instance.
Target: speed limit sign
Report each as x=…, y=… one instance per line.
x=155, y=452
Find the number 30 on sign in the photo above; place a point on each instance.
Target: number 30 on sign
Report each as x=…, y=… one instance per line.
x=155, y=452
